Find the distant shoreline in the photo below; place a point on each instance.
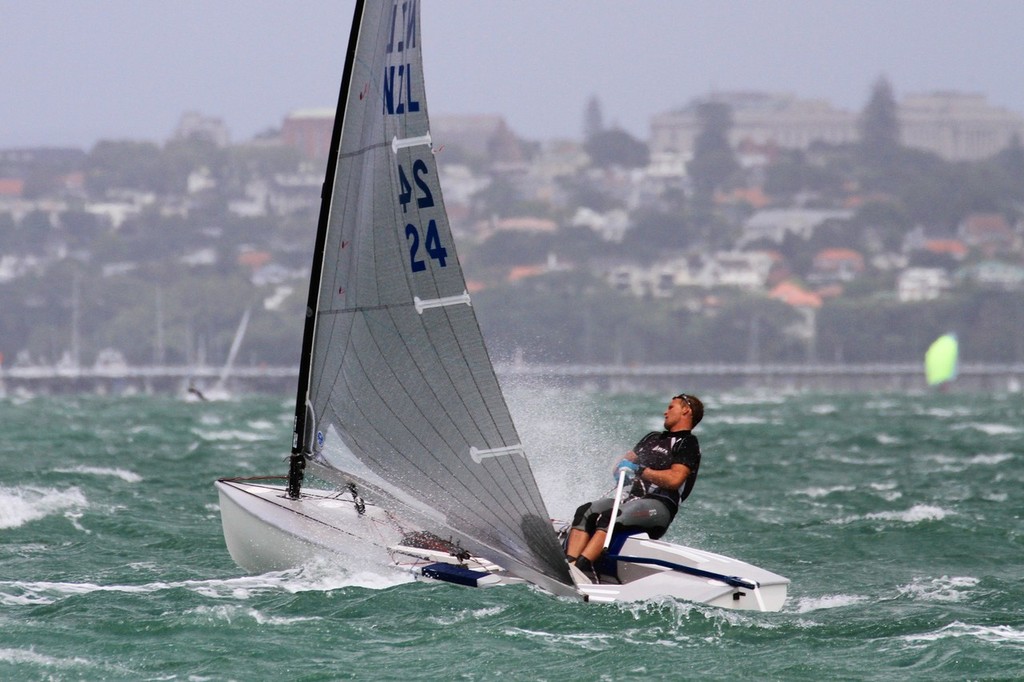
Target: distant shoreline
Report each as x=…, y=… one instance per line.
x=876, y=377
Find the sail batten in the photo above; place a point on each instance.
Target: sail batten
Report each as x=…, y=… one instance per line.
x=399, y=378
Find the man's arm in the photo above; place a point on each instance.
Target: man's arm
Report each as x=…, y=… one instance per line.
x=667, y=479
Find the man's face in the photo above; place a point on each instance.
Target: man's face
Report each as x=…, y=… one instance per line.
x=675, y=413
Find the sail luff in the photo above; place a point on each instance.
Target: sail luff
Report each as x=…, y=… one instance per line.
x=299, y=444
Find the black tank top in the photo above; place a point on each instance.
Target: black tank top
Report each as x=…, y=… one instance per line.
x=660, y=450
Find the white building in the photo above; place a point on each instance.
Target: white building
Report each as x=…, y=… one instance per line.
x=956, y=126
x=773, y=224
x=921, y=284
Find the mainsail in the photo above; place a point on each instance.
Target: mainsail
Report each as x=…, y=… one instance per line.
x=397, y=391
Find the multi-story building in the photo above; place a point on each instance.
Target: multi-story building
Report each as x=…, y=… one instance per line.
x=759, y=118
x=195, y=124
x=309, y=131
x=956, y=126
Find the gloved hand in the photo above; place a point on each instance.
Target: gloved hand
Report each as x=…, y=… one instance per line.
x=627, y=467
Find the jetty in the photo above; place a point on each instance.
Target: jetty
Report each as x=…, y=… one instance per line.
x=612, y=378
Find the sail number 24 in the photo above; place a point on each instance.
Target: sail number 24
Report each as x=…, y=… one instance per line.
x=424, y=199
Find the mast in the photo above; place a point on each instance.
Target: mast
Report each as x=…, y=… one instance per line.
x=300, y=434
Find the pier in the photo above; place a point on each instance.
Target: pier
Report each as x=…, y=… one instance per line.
x=882, y=377
x=890, y=377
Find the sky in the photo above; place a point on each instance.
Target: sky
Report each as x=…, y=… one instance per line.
x=76, y=71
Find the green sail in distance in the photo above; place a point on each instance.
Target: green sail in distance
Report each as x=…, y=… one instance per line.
x=940, y=360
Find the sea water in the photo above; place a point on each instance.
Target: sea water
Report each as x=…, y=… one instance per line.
x=898, y=519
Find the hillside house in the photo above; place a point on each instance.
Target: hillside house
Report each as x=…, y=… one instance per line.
x=921, y=284
x=741, y=269
x=993, y=274
x=836, y=265
x=773, y=224
x=990, y=233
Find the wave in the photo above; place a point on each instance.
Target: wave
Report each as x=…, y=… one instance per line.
x=994, y=429
x=123, y=474
x=943, y=589
x=24, y=504
x=829, y=601
x=996, y=634
x=234, y=435
x=30, y=657
x=990, y=459
x=230, y=614
x=312, y=578
x=824, y=492
x=916, y=514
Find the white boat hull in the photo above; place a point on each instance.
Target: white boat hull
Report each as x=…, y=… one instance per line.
x=265, y=530
x=716, y=580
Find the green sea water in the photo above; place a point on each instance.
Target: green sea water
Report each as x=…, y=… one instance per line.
x=898, y=519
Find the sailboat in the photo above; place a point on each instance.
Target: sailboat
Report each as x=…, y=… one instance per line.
x=220, y=391
x=404, y=453
x=941, y=360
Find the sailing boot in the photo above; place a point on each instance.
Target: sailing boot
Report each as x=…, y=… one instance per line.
x=587, y=568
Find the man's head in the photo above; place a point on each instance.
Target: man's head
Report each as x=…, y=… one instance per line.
x=684, y=412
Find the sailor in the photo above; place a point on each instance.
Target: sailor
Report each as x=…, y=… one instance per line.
x=659, y=471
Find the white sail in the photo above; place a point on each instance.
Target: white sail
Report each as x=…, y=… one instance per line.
x=397, y=376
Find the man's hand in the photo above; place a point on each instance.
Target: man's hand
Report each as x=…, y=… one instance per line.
x=627, y=467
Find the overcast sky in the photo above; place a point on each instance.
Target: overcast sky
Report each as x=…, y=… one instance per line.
x=75, y=71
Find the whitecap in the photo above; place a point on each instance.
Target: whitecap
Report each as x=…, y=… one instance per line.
x=996, y=429
x=123, y=474
x=467, y=615
x=22, y=505
x=29, y=656
x=246, y=436
x=592, y=641
x=229, y=613
x=916, y=514
x=20, y=592
x=945, y=413
x=990, y=459
x=822, y=492
x=829, y=601
x=883, y=485
x=996, y=634
x=943, y=589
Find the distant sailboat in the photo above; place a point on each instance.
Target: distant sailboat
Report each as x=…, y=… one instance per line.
x=941, y=360
x=219, y=391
